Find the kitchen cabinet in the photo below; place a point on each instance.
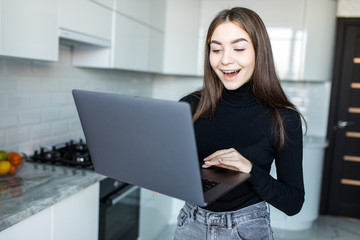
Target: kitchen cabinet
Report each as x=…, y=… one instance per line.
x=105, y=3
x=155, y=36
x=76, y=217
x=36, y=227
x=148, y=12
x=181, y=38
x=28, y=29
x=73, y=218
x=303, y=43
x=86, y=21
x=90, y=37
x=138, y=35
x=148, y=35
x=320, y=25
x=131, y=44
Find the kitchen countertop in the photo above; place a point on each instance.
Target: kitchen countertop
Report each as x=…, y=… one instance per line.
x=36, y=187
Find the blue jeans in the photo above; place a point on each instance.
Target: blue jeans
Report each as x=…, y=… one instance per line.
x=249, y=223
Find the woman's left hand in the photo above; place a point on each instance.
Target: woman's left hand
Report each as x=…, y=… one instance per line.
x=228, y=158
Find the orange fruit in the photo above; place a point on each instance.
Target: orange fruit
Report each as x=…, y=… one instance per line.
x=13, y=169
x=4, y=167
x=15, y=158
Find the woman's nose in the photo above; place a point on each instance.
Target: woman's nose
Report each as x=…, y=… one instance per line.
x=227, y=57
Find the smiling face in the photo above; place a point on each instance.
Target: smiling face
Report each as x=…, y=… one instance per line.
x=232, y=55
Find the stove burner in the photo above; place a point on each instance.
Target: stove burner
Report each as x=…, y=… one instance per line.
x=73, y=154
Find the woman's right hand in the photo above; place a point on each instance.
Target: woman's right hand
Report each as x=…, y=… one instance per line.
x=228, y=158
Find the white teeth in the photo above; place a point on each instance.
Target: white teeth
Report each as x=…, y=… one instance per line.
x=227, y=72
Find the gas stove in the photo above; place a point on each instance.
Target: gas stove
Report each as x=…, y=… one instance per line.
x=71, y=153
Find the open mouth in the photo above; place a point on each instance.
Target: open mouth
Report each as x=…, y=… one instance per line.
x=231, y=73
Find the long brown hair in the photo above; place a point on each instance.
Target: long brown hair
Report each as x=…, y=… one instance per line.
x=265, y=82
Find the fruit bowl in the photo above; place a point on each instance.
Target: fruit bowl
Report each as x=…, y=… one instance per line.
x=10, y=163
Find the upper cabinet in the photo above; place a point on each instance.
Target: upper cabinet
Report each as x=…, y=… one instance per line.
x=181, y=38
x=136, y=42
x=139, y=35
x=164, y=36
x=158, y=36
x=28, y=29
x=319, y=43
x=86, y=21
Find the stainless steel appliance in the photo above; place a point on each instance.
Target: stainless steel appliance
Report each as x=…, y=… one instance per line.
x=119, y=202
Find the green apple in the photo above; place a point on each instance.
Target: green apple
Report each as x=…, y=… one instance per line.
x=3, y=155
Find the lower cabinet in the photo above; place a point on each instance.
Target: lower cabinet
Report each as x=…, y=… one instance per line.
x=36, y=227
x=77, y=217
x=74, y=218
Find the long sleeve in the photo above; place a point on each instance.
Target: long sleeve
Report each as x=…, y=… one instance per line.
x=287, y=191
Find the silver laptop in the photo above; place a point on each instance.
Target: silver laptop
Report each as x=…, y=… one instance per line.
x=150, y=143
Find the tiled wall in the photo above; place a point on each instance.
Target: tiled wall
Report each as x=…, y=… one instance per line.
x=36, y=105
x=312, y=99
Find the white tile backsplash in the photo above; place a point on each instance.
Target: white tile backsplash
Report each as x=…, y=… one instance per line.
x=174, y=87
x=59, y=127
x=30, y=117
x=312, y=99
x=17, y=135
x=36, y=101
x=9, y=119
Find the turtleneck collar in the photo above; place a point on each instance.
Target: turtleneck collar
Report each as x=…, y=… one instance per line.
x=241, y=97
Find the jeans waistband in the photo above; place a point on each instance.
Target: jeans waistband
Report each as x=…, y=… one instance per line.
x=227, y=219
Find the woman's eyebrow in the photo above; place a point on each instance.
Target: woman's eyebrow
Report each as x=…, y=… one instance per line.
x=239, y=40
x=232, y=42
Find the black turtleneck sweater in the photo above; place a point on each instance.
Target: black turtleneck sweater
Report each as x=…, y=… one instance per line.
x=241, y=123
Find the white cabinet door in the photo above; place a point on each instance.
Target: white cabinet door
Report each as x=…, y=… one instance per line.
x=182, y=37
x=86, y=17
x=36, y=227
x=320, y=28
x=131, y=44
x=148, y=12
x=155, y=36
x=77, y=217
x=28, y=29
x=106, y=3
x=139, y=35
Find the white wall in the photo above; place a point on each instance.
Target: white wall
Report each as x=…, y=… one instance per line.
x=348, y=8
x=36, y=104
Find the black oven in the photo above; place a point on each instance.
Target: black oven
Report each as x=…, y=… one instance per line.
x=119, y=210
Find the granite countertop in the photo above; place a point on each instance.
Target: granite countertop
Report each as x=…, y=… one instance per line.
x=36, y=187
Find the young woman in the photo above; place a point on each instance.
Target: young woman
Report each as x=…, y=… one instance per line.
x=243, y=121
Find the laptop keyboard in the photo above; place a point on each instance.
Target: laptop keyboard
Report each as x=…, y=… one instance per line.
x=208, y=184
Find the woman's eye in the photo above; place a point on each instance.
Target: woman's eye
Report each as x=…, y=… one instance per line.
x=215, y=50
x=239, y=49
